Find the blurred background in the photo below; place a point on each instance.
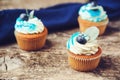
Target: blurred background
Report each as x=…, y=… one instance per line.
x=33, y=4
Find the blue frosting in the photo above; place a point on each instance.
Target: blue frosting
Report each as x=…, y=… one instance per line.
x=72, y=39
x=92, y=13
x=24, y=25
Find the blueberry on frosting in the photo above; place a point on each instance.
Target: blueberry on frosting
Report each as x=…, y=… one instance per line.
x=28, y=23
x=89, y=35
x=24, y=16
x=81, y=39
x=94, y=2
x=93, y=5
x=84, y=43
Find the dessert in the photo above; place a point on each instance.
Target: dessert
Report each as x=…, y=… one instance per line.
x=83, y=50
x=30, y=32
x=92, y=14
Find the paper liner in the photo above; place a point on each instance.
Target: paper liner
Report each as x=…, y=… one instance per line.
x=31, y=41
x=84, y=62
x=84, y=24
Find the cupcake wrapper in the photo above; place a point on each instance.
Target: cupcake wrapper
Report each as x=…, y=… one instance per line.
x=82, y=58
x=84, y=24
x=84, y=63
x=31, y=42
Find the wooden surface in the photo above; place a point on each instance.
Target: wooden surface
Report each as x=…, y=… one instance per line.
x=50, y=63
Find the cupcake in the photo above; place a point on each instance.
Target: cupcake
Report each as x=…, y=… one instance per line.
x=83, y=51
x=92, y=15
x=30, y=32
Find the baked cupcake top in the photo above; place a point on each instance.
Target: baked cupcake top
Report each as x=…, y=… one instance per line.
x=92, y=12
x=29, y=24
x=84, y=43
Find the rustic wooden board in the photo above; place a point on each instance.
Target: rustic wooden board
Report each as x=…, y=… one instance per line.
x=50, y=63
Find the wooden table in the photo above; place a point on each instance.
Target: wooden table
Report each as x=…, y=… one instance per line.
x=50, y=63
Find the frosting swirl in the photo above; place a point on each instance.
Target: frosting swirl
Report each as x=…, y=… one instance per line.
x=91, y=47
x=30, y=26
x=92, y=13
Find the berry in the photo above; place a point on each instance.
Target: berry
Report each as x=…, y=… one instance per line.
x=24, y=17
x=94, y=2
x=81, y=39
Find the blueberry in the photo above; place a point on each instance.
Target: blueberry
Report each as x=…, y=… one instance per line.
x=24, y=16
x=81, y=39
x=95, y=3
